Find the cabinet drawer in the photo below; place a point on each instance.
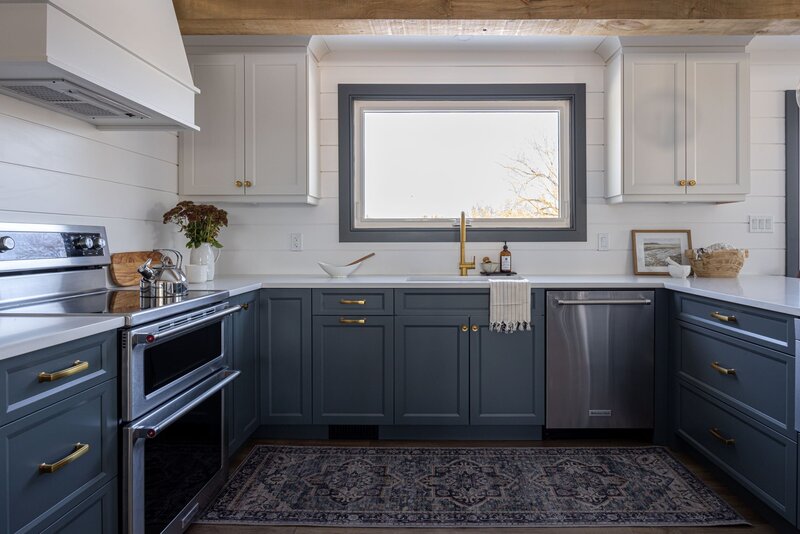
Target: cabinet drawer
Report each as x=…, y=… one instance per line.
x=31, y=498
x=754, y=379
x=353, y=302
x=762, y=460
x=97, y=514
x=761, y=327
x=25, y=392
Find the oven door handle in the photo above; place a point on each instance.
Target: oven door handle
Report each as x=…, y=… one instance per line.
x=152, y=425
x=161, y=336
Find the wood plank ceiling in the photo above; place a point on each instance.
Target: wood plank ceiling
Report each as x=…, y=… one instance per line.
x=489, y=17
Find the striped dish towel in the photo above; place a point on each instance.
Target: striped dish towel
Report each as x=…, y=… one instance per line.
x=509, y=305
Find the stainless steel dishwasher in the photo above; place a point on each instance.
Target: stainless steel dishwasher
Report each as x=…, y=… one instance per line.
x=600, y=348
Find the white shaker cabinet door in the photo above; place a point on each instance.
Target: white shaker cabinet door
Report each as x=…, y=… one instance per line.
x=212, y=160
x=654, y=104
x=276, y=124
x=717, y=123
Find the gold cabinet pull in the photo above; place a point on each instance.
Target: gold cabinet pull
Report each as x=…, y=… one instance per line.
x=464, y=328
x=77, y=367
x=682, y=183
x=474, y=328
x=344, y=320
x=692, y=183
x=355, y=302
x=80, y=450
x=245, y=306
x=717, y=434
x=722, y=370
x=239, y=183
x=248, y=183
x=724, y=318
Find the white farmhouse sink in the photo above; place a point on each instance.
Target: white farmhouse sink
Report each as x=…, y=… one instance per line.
x=461, y=279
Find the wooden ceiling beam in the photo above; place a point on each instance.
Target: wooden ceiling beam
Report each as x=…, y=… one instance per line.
x=488, y=17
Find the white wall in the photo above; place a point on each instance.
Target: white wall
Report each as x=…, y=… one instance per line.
x=258, y=239
x=56, y=169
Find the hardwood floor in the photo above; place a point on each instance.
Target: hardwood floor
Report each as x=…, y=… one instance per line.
x=762, y=520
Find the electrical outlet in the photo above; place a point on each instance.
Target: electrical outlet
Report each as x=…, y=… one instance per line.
x=762, y=224
x=603, y=241
x=296, y=242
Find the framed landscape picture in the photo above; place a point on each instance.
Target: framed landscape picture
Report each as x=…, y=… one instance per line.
x=651, y=248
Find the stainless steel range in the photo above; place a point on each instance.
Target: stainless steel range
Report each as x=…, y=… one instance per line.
x=172, y=354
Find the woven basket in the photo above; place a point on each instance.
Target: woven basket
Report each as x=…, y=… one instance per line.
x=719, y=264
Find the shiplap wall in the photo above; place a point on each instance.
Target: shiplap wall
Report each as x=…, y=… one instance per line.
x=258, y=239
x=57, y=169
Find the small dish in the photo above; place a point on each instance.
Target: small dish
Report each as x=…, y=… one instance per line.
x=339, y=271
x=679, y=271
x=490, y=267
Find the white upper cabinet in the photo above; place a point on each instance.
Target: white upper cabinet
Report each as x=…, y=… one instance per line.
x=257, y=114
x=677, y=127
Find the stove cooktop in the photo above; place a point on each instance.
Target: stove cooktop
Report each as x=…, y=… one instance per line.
x=122, y=302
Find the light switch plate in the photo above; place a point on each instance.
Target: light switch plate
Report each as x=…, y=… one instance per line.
x=762, y=224
x=295, y=242
x=603, y=241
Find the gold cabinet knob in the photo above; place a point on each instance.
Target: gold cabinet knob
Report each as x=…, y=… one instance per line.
x=682, y=183
x=474, y=328
x=239, y=183
x=692, y=183
x=248, y=183
x=464, y=328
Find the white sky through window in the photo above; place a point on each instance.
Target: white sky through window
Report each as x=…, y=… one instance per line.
x=434, y=164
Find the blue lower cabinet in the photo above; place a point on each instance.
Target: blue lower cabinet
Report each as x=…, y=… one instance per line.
x=242, y=396
x=53, y=459
x=506, y=375
x=432, y=370
x=95, y=515
x=285, y=363
x=353, y=370
x=762, y=460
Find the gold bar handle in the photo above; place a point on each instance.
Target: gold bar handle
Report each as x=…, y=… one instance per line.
x=344, y=320
x=716, y=433
x=724, y=318
x=77, y=367
x=722, y=370
x=357, y=302
x=80, y=450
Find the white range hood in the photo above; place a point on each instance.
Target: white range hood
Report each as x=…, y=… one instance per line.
x=118, y=64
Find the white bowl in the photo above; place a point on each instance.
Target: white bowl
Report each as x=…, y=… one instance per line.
x=490, y=267
x=339, y=271
x=679, y=271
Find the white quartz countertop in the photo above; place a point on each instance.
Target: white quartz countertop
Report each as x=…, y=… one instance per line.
x=20, y=334
x=774, y=293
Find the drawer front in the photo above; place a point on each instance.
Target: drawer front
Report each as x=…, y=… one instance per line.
x=762, y=460
x=97, y=514
x=31, y=498
x=754, y=379
x=761, y=327
x=26, y=392
x=453, y=301
x=353, y=302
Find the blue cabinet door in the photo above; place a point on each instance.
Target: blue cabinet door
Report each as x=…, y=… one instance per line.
x=432, y=370
x=506, y=375
x=242, y=399
x=352, y=362
x=285, y=318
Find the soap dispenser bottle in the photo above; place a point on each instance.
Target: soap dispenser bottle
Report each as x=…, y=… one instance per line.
x=505, y=259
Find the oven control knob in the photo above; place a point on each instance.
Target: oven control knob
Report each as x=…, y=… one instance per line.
x=99, y=243
x=84, y=243
x=7, y=243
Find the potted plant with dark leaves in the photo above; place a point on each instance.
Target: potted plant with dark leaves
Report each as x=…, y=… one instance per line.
x=200, y=223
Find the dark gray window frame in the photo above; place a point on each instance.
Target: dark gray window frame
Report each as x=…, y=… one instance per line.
x=792, y=185
x=575, y=93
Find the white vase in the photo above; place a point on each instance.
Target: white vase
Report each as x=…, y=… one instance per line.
x=204, y=255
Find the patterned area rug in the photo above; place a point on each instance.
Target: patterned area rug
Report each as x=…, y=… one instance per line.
x=466, y=487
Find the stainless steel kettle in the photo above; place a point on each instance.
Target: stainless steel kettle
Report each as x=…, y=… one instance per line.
x=165, y=279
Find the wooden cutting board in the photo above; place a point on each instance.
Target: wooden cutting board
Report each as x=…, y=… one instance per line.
x=124, y=266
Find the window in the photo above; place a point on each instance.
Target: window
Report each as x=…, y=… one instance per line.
x=412, y=157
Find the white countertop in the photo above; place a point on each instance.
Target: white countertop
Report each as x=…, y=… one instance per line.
x=774, y=293
x=20, y=334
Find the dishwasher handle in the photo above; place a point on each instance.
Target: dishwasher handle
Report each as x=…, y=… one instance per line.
x=606, y=302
